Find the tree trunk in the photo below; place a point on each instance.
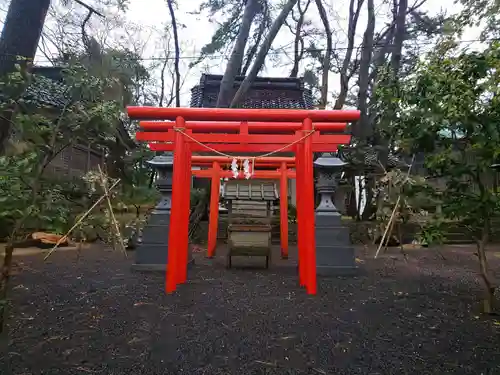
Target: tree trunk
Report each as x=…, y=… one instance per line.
x=235, y=62
x=371, y=200
x=4, y=283
x=328, y=53
x=400, y=11
x=489, y=297
x=263, y=51
x=177, y=55
x=6, y=269
x=345, y=75
x=351, y=208
x=20, y=36
x=361, y=129
x=21, y=32
x=298, y=43
x=162, y=81
x=252, y=51
x=399, y=36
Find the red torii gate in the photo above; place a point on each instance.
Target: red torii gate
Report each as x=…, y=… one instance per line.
x=260, y=130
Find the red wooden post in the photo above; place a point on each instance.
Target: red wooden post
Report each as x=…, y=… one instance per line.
x=174, y=238
x=300, y=214
x=186, y=205
x=308, y=209
x=213, y=220
x=284, y=210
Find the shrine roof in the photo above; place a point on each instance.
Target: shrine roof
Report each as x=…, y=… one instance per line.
x=265, y=92
x=256, y=190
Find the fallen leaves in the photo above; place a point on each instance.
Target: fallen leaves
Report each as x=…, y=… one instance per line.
x=288, y=337
x=319, y=371
x=269, y=364
x=198, y=249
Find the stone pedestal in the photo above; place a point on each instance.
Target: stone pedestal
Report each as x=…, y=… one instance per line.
x=334, y=252
x=152, y=250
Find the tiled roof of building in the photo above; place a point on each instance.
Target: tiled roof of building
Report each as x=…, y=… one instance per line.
x=48, y=88
x=268, y=93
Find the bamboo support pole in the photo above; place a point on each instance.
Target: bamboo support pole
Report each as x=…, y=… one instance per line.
x=79, y=221
x=117, y=235
x=388, y=229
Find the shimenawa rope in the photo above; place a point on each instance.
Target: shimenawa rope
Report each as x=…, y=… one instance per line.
x=248, y=174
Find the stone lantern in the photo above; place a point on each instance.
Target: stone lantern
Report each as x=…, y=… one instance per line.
x=334, y=252
x=152, y=250
x=329, y=169
x=164, y=166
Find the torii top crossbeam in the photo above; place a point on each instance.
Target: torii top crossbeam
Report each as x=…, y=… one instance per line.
x=229, y=114
x=258, y=130
x=194, y=130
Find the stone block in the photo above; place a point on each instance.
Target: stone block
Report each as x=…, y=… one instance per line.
x=334, y=253
x=151, y=253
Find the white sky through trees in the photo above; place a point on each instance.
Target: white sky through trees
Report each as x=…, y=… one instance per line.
x=153, y=15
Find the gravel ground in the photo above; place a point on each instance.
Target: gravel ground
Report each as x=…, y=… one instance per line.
x=94, y=316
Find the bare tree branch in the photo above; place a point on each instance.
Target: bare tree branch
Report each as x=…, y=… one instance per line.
x=360, y=129
x=344, y=70
x=177, y=53
x=263, y=51
x=298, y=43
x=233, y=66
x=162, y=73
x=328, y=53
x=89, y=8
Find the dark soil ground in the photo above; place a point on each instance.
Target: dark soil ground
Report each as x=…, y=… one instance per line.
x=95, y=316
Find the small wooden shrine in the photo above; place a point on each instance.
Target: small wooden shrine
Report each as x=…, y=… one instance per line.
x=250, y=214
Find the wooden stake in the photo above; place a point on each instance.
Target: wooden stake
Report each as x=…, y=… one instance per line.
x=390, y=224
x=114, y=222
x=79, y=221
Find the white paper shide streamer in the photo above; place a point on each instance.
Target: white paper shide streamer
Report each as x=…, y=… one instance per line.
x=235, y=168
x=247, y=168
